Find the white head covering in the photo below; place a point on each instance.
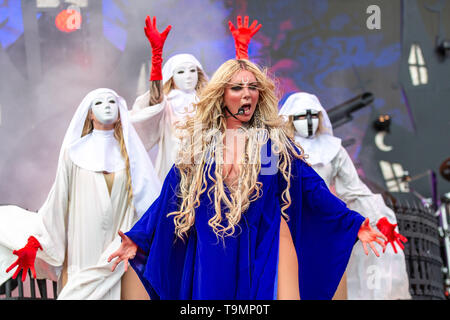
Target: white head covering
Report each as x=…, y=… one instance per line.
x=175, y=61
x=322, y=147
x=180, y=101
x=145, y=182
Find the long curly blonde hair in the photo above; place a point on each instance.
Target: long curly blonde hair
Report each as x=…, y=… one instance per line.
x=201, y=148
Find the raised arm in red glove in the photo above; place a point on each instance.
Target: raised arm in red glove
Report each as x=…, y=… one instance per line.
x=156, y=40
x=26, y=258
x=242, y=35
x=388, y=229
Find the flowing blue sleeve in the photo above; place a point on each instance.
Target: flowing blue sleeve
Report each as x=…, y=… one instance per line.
x=152, y=233
x=324, y=231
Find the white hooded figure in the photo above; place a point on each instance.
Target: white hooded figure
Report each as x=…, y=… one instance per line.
x=104, y=183
x=183, y=77
x=368, y=277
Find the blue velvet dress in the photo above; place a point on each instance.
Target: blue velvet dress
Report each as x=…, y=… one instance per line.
x=245, y=265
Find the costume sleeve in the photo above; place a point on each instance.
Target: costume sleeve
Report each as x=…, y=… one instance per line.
x=48, y=226
x=154, y=233
x=52, y=233
x=355, y=193
x=94, y=282
x=147, y=119
x=324, y=231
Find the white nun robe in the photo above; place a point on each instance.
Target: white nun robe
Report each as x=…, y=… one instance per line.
x=78, y=224
x=368, y=277
x=157, y=122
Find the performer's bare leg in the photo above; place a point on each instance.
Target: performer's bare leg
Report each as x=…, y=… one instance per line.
x=341, y=291
x=132, y=287
x=287, y=266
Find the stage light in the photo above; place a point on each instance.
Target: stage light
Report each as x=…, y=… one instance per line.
x=47, y=3
x=43, y=4
x=78, y=3
x=68, y=20
x=382, y=123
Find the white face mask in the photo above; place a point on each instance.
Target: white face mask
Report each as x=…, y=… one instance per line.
x=306, y=123
x=185, y=77
x=105, y=108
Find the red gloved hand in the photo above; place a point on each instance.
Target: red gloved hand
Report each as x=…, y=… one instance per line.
x=242, y=35
x=27, y=256
x=388, y=229
x=156, y=40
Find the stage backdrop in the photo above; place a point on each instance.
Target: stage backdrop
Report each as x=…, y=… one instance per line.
x=334, y=49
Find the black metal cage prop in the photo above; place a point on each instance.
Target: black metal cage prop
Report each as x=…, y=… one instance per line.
x=423, y=251
x=8, y=289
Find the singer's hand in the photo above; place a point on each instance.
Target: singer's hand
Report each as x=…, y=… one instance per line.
x=367, y=235
x=126, y=251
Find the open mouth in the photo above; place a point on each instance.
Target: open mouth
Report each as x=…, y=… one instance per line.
x=246, y=107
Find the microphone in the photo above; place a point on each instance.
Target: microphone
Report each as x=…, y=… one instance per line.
x=239, y=113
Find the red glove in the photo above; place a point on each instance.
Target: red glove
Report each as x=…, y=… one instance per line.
x=156, y=40
x=27, y=256
x=388, y=229
x=242, y=35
